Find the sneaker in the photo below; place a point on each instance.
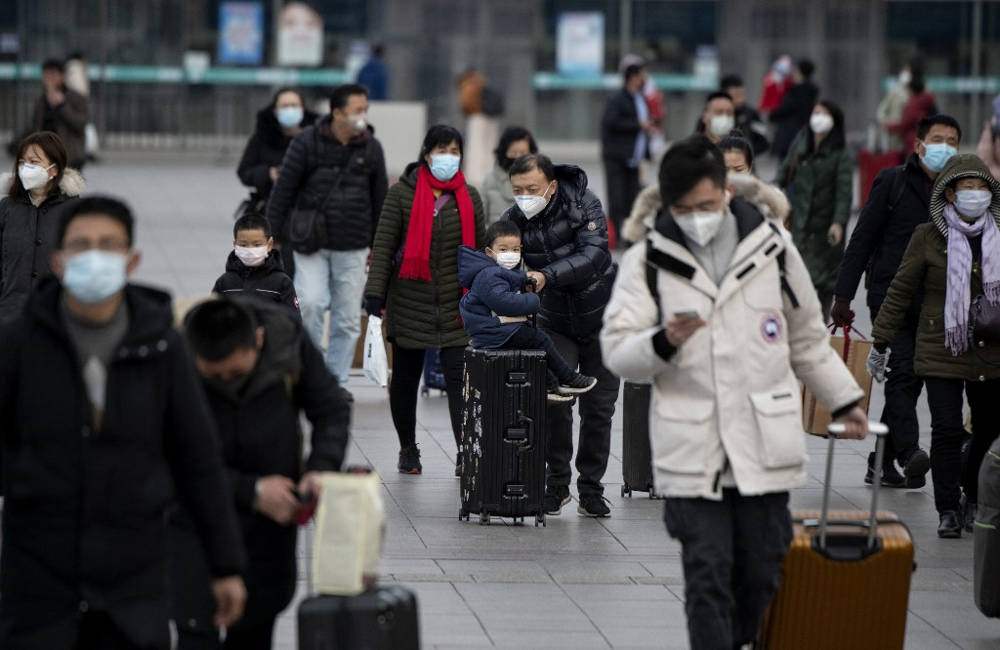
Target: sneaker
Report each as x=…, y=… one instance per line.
x=409, y=460
x=577, y=385
x=950, y=527
x=890, y=475
x=594, y=505
x=555, y=499
x=458, y=465
x=553, y=397
x=916, y=465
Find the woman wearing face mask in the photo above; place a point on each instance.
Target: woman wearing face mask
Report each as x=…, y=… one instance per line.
x=817, y=177
x=954, y=261
x=413, y=278
x=497, y=194
x=277, y=124
x=39, y=191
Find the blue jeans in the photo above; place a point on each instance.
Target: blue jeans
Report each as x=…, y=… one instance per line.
x=332, y=280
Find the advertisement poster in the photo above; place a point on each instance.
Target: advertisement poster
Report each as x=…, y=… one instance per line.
x=580, y=43
x=241, y=33
x=300, y=36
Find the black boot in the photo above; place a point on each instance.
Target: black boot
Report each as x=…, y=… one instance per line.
x=950, y=526
x=916, y=464
x=890, y=475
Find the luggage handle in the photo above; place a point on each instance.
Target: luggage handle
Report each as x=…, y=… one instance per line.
x=521, y=434
x=834, y=430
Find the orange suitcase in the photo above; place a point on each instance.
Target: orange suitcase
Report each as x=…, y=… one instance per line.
x=846, y=579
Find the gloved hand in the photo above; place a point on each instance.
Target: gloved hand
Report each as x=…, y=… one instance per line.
x=876, y=364
x=841, y=313
x=374, y=306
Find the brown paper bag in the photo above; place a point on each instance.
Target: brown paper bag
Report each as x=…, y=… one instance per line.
x=815, y=415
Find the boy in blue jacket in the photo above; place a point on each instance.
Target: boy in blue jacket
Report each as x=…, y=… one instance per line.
x=495, y=310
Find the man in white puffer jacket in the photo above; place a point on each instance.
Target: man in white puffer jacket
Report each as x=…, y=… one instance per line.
x=718, y=310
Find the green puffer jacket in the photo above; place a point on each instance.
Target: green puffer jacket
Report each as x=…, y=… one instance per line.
x=420, y=315
x=925, y=264
x=819, y=187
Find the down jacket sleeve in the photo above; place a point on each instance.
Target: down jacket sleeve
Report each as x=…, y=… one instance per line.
x=253, y=171
x=388, y=237
x=591, y=255
x=494, y=290
x=865, y=238
x=905, y=285
x=290, y=178
x=813, y=360
x=632, y=340
x=379, y=184
x=845, y=188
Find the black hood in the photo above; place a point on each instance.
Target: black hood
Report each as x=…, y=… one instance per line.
x=272, y=264
x=470, y=263
x=269, y=131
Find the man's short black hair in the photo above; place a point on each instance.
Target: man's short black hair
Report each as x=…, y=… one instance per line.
x=686, y=163
x=632, y=70
x=106, y=206
x=218, y=327
x=946, y=120
x=730, y=81
x=53, y=64
x=252, y=221
x=342, y=94
x=806, y=67
x=501, y=229
x=718, y=94
x=532, y=161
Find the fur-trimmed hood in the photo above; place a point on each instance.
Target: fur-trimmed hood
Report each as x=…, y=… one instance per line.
x=768, y=199
x=961, y=166
x=72, y=183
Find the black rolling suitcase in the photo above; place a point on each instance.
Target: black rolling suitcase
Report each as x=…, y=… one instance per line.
x=503, y=435
x=986, y=535
x=637, y=461
x=382, y=618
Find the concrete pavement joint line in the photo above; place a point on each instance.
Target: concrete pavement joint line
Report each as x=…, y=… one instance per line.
x=584, y=612
x=405, y=514
x=473, y=612
x=615, y=537
x=932, y=626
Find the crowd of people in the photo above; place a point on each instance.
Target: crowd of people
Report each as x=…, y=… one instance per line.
x=132, y=449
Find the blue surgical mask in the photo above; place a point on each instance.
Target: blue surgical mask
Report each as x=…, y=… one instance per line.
x=289, y=116
x=444, y=166
x=937, y=155
x=972, y=204
x=95, y=275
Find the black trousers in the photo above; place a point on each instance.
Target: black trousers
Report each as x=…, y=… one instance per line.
x=902, y=390
x=623, y=187
x=99, y=632
x=947, y=433
x=532, y=338
x=732, y=552
x=596, y=409
x=407, y=369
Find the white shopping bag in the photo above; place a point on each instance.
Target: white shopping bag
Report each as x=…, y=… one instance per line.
x=376, y=364
x=348, y=543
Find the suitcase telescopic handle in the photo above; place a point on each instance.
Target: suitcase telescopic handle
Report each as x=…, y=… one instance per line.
x=835, y=430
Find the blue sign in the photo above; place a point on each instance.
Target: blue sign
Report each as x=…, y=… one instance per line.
x=241, y=33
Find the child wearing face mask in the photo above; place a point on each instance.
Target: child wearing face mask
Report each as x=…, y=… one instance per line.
x=496, y=308
x=254, y=267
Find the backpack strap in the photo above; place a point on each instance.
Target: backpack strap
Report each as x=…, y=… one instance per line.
x=653, y=281
x=780, y=258
x=897, y=187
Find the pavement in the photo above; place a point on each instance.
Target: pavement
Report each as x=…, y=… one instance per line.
x=578, y=582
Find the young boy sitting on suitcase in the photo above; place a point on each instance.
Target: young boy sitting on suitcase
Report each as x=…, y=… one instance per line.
x=254, y=268
x=495, y=311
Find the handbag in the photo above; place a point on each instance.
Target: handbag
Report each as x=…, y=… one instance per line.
x=984, y=320
x=307, y=226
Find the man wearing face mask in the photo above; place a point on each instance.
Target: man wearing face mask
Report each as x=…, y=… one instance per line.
x=718, y=119
x=261, y=373
x=104, y=428
x=329, y=192
x=254, y=267
x=898, y=203
x=625, y=131
x=717, y=309
x=564, y=242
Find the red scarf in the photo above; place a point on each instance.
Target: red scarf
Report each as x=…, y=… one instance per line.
x=417, y=254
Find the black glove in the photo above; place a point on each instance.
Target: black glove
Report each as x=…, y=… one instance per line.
x=841, y=313
x=374, y=306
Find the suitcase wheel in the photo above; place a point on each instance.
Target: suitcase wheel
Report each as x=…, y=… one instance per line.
x=626, y=490
x=463, y=515
x=484, y=519
x=540, y=519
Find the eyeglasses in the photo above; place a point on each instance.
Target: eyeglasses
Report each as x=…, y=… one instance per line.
x=107, y=244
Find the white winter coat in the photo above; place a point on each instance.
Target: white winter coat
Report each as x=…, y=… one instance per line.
x=729, y=393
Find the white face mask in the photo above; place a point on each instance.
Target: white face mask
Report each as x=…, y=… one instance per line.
x=820, y=123
x=972, y=204
x=33, y=176
x=531, y=204
x=721, y=125
x=701, y=226
x=251, y=256
x=360, y=122
x=509, y=259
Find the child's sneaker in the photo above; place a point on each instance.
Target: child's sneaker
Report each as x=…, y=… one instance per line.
x=555, y=397
x=577, y=385
x=409, y=460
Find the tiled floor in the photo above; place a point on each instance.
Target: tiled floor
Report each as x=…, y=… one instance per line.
x=578, y=582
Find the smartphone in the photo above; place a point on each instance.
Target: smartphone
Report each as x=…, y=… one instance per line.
x=308, y=501
x=686, y=314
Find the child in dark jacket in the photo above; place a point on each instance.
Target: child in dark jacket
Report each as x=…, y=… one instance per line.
x=254, y=268
x=495, y=310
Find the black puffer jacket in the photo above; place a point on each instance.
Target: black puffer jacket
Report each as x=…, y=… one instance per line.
x=27, y=239
x=568, y=242
x=84, y=517
x=265, y=149
x=260, y=434
x=267, y=282
x=316, y=164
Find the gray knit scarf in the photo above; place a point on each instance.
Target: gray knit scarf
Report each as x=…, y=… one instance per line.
x=958, y=288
